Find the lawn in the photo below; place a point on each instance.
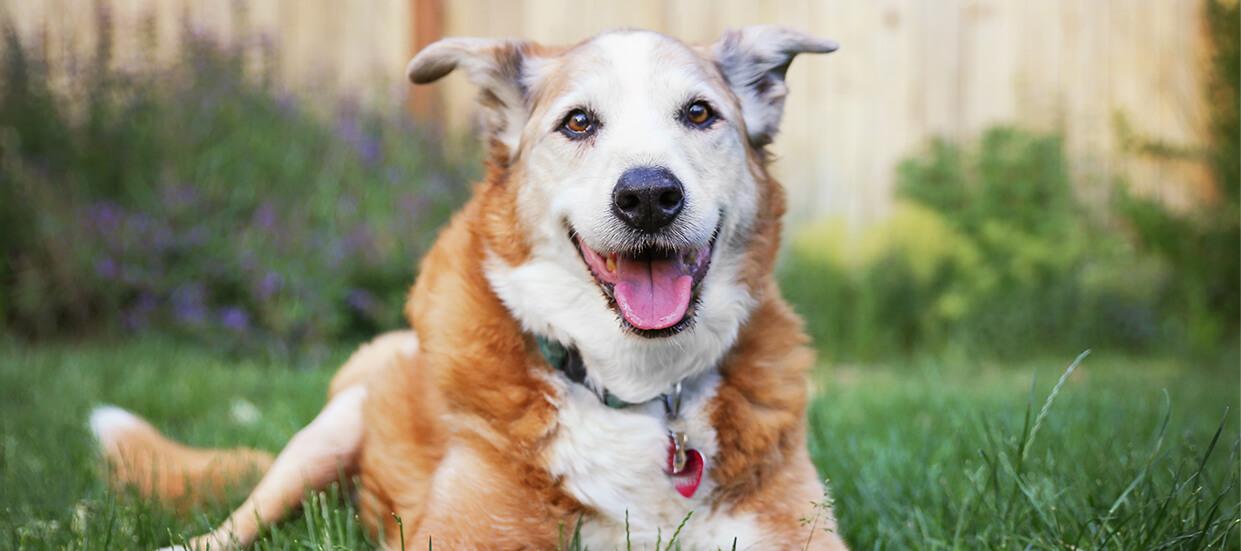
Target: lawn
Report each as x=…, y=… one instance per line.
x=922, y=454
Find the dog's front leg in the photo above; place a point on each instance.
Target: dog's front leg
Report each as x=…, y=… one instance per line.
x=479, y=499
x=313, y=458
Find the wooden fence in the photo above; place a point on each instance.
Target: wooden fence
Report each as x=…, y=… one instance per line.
x=907, y=70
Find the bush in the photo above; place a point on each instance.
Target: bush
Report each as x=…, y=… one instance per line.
x=1203, y=246
x=989, y=252
x=201, y=200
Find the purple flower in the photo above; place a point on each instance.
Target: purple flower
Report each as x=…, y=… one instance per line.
x=133, y=320
x=179, y=195
x=413, y=206
x=138, y=315
x=105, y=215
x=234, y=319
x=359, y=237
x=369, y=150
x=361, y=301
x=107, y=269
x=268, y=286
x=264, y=216
x=140, y=223
x=189, y=303
x=195, y=237
x=347, y=129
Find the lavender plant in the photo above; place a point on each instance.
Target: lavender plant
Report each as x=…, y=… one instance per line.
x=201, y=200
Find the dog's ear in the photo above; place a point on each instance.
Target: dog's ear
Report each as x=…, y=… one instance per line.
x=754, y=61
x=498, y=67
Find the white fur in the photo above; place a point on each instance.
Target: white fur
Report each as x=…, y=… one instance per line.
x=613, y=460
x=568, y=306
x=109, y=422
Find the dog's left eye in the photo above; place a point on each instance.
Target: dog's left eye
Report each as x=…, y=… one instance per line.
x=578, y=124
x=699, y=114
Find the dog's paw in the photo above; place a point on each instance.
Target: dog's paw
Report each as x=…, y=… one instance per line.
x=207, y=542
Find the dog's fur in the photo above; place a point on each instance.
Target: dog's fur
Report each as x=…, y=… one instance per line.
x=464, y=431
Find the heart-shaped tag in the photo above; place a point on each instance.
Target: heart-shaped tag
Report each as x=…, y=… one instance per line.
x=686, y=481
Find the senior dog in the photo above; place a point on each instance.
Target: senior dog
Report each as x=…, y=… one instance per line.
x=599, y=346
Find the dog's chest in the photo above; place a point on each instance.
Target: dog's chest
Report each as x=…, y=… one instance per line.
x=615, y=461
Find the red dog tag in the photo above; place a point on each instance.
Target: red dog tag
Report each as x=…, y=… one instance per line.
x=686, y=480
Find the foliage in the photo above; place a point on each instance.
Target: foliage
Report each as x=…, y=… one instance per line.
x=989, y=251
x=1203, y=246
x=1223, y=92
x=1203, y=250
x=200, y=199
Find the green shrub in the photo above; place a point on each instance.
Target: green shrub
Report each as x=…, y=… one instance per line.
x=199, y=199
x=989, y=252
x=1202, y=246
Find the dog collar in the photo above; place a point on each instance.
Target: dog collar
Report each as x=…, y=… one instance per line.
x=685, y=464
x=569, y=361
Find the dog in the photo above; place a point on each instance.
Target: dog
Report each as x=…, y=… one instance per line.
x=599, y=346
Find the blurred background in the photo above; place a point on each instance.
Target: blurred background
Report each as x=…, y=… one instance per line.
x=978, y=178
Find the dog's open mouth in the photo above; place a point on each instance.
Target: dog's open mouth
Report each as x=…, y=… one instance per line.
x=654, y=289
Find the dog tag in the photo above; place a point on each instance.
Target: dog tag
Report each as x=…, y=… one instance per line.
x=688, y=475
x=685, y=464
x=680, y=444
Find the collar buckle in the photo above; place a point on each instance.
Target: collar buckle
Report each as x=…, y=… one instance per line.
x=672, y=402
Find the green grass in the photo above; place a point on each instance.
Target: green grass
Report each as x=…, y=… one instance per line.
x=942, y=458
x=928, y=455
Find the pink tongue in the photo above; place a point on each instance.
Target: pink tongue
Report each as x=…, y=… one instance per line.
x=652, y=294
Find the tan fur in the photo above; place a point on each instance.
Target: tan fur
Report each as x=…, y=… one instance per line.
x=448, y=429
x=138, y=457
x=371, y=357
x=476, y=364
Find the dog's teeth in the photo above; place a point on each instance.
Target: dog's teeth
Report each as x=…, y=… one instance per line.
x=611, y=263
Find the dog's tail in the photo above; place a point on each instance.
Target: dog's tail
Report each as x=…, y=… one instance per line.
x=138, y=457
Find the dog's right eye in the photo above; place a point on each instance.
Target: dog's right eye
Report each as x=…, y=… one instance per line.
x=578, y=125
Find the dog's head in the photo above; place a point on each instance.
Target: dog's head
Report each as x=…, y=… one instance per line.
x=636, y=173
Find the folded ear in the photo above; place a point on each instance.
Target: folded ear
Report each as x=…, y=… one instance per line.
x=754, y=61
x=497, y=66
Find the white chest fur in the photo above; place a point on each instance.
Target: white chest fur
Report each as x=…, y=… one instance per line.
x=613, y=461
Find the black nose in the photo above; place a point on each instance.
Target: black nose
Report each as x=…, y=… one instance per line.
x=647, y=198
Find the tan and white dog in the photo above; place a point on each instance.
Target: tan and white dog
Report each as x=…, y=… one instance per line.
x=599, y=344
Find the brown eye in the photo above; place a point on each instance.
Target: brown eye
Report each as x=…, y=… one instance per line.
x=699, y=114
x=578, y=124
